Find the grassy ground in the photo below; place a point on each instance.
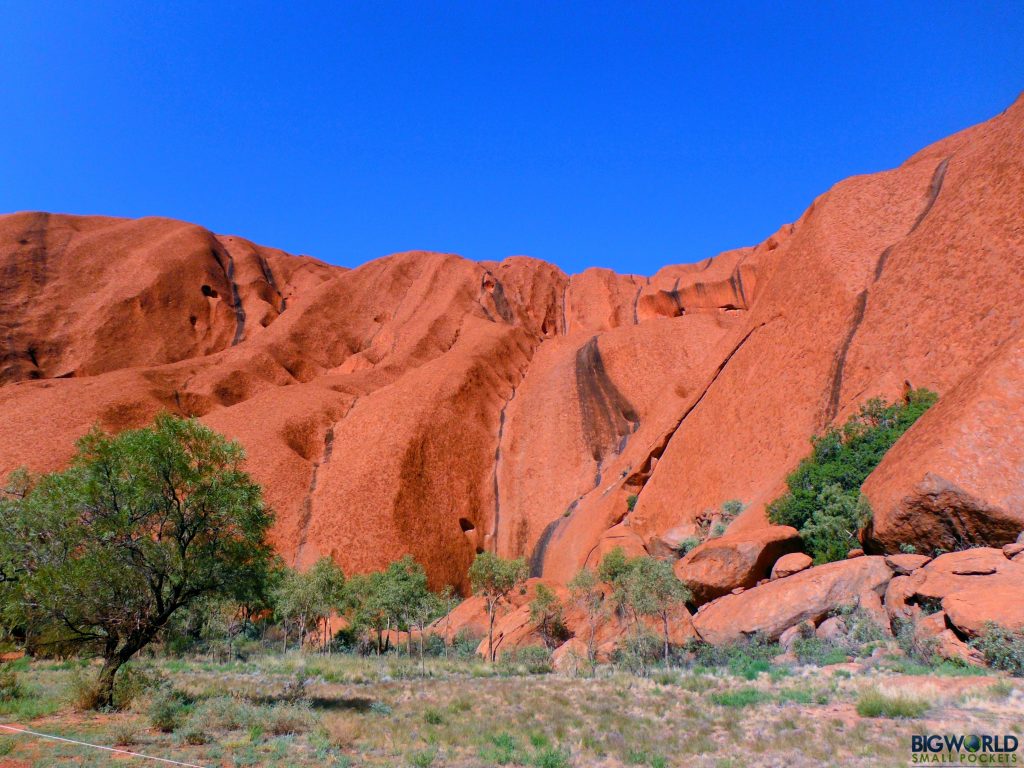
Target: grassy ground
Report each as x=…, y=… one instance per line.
x=386, y=712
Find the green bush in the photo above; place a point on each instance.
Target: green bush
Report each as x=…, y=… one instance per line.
x=743, y=658
x=168, y=709
x=739, y=697
x=132, y=682
x=811, y=650
x=10, y=687
x=874, y=703
x=533, y=660
x=1002, y=648
x=823, y=501
x=639, y=652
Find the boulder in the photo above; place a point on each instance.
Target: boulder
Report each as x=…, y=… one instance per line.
x=857, y=552
x=1012, y=550
x=906, y=564
x=774, y=607
x=897, y=596
x=789, y=564
x=570, y=656
x=954, y=476
x=831, y=630
x=981, y=568
x=871, y=605
x=720, y=565
x=804, y=629
x=949, y=646
x=971, y=608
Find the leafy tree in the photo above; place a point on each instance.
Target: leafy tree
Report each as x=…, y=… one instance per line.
x=586, y=593
x=494, y=578
x=613, y=566
x=404, y=592
x=643, y=586
x=140, y=526
x=546, y=612
x=840, y=461
x=652, y=589
x=832, y=529
x=307, y=599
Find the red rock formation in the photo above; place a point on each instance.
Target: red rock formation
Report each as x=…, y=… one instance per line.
x=427, y=404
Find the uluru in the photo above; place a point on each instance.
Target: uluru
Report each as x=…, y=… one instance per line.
x=426, y=404
x=375, y=389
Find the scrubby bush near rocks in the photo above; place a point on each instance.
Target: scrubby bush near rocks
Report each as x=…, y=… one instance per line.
x=533, y=659
x=824, y=501
x=1002, y=648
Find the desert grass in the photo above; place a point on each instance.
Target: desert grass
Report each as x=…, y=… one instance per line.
x=352, y=711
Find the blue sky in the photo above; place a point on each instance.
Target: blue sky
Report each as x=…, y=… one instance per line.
x=626, y=135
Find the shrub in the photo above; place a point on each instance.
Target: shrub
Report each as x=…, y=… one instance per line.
x=840, y=461
x=225, y=713
x=85, y=694
x=738, y=657
x=433, y=716
x=631, y=501
x=550, y=757
x=10, y=687
x=739, y=697
x=132, y=682
x=124, y=734
x=875, y=703
x=423, y=759
x=193, y=735
x=687, y=544
x=812, y=650
x=1002, y=648
x=168, y=709
x=283, y=719
x=639, y=652
x=503, y=749
x=533, y=659
x=464, y=644
x=341, y=731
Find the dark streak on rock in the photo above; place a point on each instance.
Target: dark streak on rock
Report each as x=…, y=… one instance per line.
x=540, y=550
x=606, y=414
x=227, y=265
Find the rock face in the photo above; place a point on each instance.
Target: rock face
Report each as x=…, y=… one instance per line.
x=426, y=404
x=772, y=608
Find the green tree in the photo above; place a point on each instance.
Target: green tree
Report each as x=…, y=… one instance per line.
x=840, y=461
x=831, y=531
x=404, y=591
x=546, y=612
x=643, y=586
x=586, y=593
x=139, y=527
x=494, y=578
x=307, y=600
x=652, y=589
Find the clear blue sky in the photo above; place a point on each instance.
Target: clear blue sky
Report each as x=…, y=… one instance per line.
x=626, y=135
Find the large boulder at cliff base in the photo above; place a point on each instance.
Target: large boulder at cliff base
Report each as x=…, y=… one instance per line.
x=772, y=608
x=722, y=564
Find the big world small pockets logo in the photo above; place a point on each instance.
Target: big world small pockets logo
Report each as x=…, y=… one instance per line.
x=965, y=749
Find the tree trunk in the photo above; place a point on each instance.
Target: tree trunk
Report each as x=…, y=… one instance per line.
x=490, y=633
x=105, y=682
x=664, y=618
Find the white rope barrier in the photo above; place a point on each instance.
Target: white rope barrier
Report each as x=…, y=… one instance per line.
x=26, y=732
